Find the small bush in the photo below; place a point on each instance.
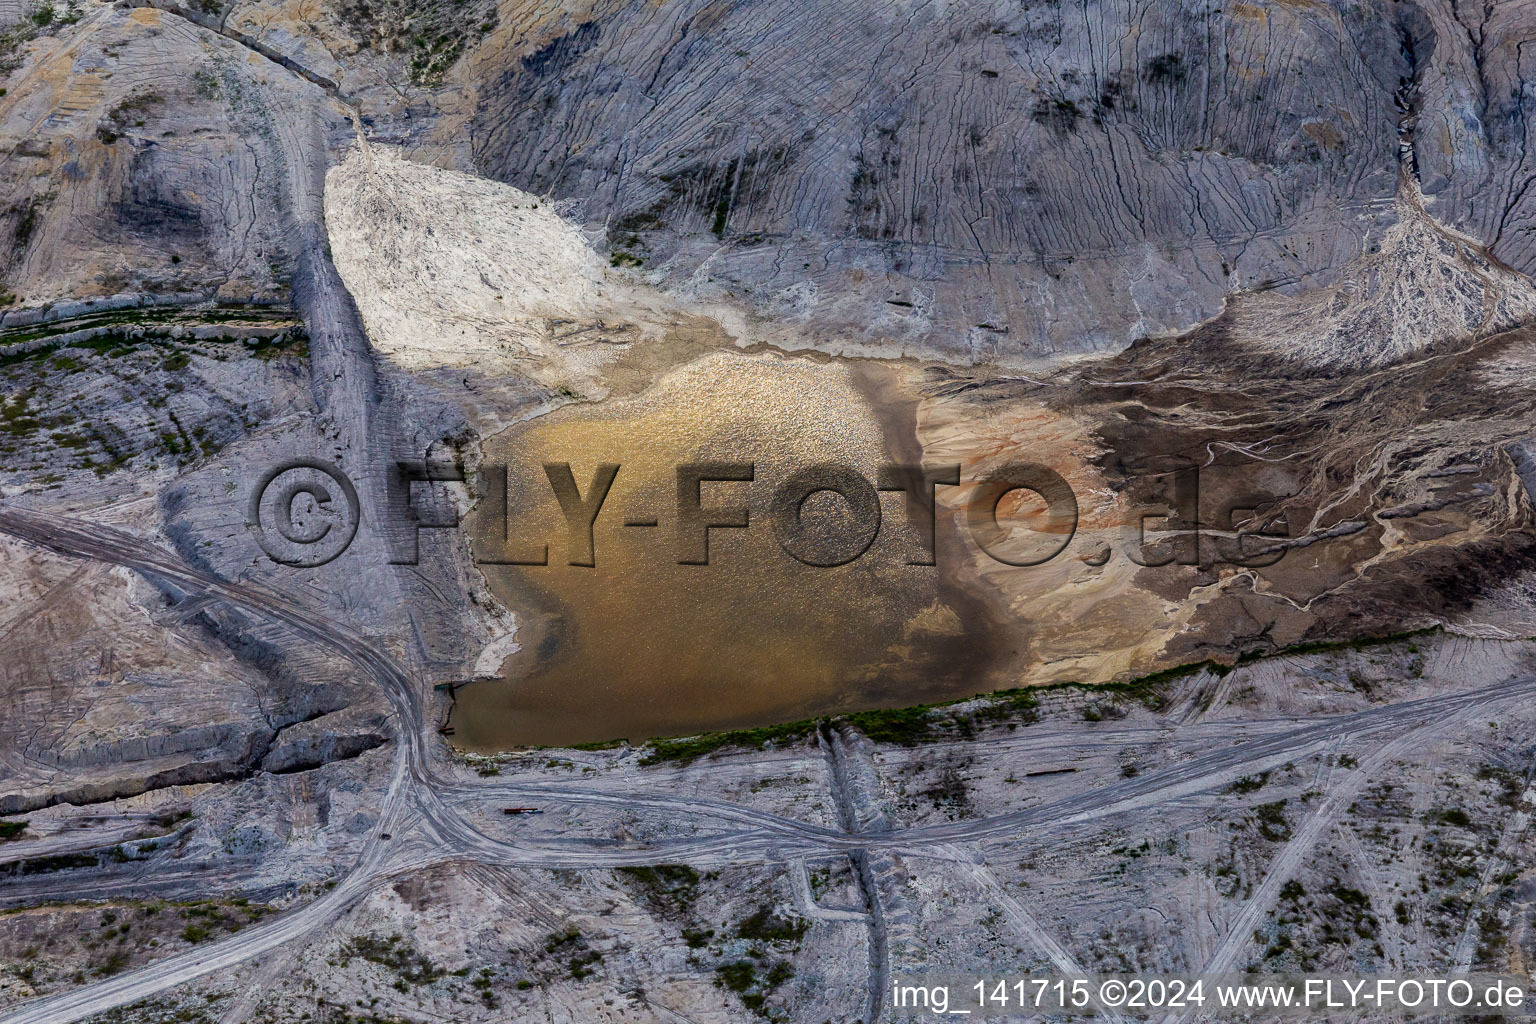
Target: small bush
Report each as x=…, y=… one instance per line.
x=738, y=977
x=765, y=926
x=1455, y=817
x=1167, y=68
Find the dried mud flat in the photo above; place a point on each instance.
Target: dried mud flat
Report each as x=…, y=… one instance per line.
x=1380, y=501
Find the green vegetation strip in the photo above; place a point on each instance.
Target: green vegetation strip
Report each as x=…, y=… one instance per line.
x=930, y=723
x=150, y=316
x=114, y=344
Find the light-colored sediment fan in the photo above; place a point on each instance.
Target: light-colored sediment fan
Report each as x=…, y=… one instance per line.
x=449, y=269
x=1423, y=285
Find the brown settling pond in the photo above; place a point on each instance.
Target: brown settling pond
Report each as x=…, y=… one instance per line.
x=1392, y=494
x=637, y=645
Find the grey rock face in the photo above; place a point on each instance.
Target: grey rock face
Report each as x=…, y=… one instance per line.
x=1008, y=181
x=1473, y=69
x=341, y=734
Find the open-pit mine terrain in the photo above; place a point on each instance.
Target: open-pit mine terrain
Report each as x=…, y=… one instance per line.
x=704, y=511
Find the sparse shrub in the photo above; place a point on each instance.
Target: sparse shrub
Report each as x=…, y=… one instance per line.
x=1455, y=817
x=738, y=977
x=766, y=926
x=1272, y=822
x=1059, y=115
x=1166, y=68
x=1249, y=783
x=581, y=964
x=393, y=952
x=670, y=886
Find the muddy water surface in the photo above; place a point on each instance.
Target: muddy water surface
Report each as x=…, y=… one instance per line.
x=639, y=645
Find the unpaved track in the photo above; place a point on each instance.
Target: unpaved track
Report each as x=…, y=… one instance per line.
x=981, y=876
x=416, y=805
